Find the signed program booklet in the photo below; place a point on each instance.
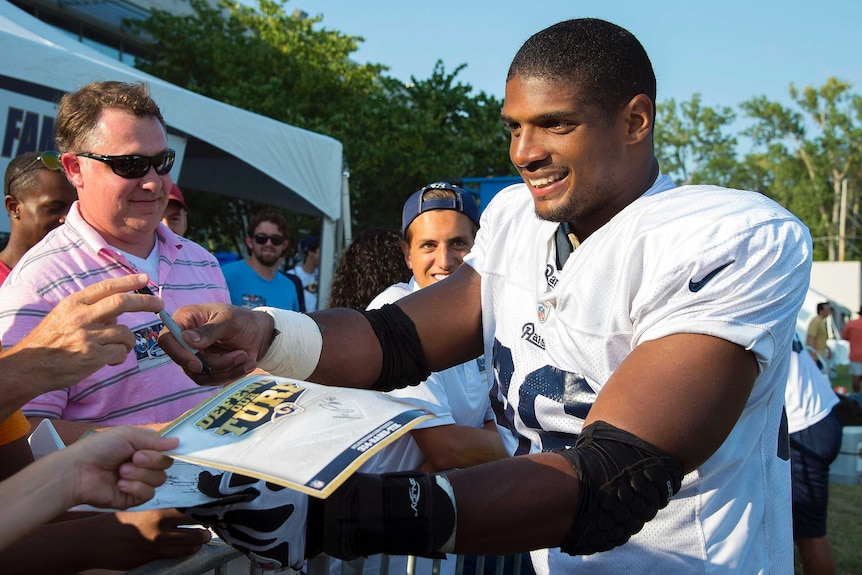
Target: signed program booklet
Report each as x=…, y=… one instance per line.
x=302, y=435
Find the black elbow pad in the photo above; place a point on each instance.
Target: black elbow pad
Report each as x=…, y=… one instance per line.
x=624, y=483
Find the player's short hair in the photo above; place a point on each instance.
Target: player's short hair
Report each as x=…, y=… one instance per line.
x=822, y=305
x=606, y=61
x=79, y=111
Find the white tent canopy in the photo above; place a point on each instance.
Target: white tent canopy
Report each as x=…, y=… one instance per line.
x=220, y=148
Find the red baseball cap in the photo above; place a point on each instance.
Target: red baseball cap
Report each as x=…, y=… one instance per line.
x=177, y=196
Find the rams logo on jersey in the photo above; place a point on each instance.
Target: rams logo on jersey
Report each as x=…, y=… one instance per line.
x=528, y=332
x=551, y=276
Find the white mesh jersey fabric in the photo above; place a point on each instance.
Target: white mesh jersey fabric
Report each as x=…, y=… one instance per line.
x=553, y=337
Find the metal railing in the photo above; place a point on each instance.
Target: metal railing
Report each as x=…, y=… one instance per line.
x=220, y=559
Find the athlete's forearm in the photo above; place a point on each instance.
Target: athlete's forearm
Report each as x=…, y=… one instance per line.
x=351, y=354
x=515, y=504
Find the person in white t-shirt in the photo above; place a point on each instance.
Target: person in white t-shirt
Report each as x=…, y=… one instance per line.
x=439, y=224
x=438, y=227
x=815, y=440
x=308, y=270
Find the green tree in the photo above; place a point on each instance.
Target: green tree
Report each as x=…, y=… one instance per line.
x=420, y=132
x=261, y=59
x=813, y=154
x=693, y=144
x=396, y=136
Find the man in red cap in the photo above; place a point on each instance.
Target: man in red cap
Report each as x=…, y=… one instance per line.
x=176, y=214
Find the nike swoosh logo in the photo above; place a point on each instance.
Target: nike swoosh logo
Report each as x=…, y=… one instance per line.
x=696, y=286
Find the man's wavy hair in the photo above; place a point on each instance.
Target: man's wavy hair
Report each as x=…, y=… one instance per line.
x=372, y=263
x=79, y=111
x=606, y=62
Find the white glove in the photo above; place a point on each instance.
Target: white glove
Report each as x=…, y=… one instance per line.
x=263, y=520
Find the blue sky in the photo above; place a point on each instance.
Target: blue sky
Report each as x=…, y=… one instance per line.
x=728, y=51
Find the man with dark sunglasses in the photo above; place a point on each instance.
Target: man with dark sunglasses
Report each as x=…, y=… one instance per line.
x=37, y=197
x=114, y=149
x=256, y=281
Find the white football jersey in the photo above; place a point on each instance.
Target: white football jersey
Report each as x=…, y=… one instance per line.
x=809, y=397
x=696, y=259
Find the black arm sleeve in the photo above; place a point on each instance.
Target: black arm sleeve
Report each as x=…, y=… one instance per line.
x=403, y=359
x=403, y=513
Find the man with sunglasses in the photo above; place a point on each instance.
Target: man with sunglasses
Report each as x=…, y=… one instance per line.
x=113, y=147
x=37, y=197
x=256, y=281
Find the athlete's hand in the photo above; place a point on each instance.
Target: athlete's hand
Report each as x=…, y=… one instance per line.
x=263, y=520
x=230, y=338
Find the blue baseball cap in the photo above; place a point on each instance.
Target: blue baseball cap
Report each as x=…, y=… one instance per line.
x=462, y=202
x=308, y=244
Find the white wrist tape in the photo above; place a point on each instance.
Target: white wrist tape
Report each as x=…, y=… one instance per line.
x=295, y=351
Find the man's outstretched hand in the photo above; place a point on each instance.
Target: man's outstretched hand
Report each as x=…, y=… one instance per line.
x=230, y=338
x=79, y=336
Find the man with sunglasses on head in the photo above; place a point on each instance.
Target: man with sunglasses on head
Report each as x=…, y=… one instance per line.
x=113, y=147
x=256, y=281
x=37, y=197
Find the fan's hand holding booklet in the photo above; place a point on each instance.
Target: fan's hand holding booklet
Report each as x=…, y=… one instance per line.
x=298, y=434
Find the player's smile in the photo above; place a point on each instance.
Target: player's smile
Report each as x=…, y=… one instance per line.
x=541, y=182
x=546, y=186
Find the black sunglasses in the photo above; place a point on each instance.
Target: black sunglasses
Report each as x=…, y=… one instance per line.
x=261, y=239
x=135, y=166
